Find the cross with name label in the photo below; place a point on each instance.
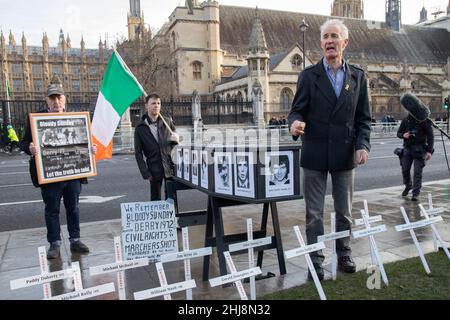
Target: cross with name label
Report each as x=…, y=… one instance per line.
x=250, y=244
x=305, y=250
x=119, y=266
x=369, y=232
x=410, y=226
x=432, y=211
x=45, y=278
x=235, y=276
x=186, y=255
x=333, y=236
x=80, y=293
x=435, y=231
x=165, y=289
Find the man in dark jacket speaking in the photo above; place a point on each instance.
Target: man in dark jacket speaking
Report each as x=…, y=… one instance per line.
x=331, y=112
x=155, y=141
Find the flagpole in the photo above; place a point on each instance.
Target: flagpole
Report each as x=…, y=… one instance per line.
x=7, y=99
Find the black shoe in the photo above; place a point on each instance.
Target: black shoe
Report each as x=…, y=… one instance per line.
x=53, y=252
x=406, y=191
x=319, y=271
x=346, y=264
x=415, y=197
x=79, y=246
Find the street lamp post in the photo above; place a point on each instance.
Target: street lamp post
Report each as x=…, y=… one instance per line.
x=303, y=27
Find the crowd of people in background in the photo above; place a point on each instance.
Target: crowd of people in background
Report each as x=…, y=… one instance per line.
x=277, y=122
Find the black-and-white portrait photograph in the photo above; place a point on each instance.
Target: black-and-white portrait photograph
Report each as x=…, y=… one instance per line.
x=244, y=184
x=279, y=174
x=222, y=173
x=187, y=164
x=179, y=163
x=204, y=170
x=64, y=146
x=195, y=167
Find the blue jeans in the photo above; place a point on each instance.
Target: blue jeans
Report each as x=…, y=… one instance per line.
x=52, y=194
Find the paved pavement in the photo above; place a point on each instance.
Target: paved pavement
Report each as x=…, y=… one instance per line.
x=19, y=255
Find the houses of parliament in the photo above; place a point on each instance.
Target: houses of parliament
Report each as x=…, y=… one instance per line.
x=231, y=52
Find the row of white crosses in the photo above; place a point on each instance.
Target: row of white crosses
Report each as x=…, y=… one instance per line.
x=431, y=218
x=119, y=266
x=368, y=231
x=46, y=277
x=236, y=277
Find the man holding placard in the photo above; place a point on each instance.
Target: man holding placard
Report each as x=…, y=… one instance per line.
x=52, y=193
x=331, y=112
x=154, y=139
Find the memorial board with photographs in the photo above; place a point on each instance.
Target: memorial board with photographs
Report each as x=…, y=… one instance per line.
x=195, y=167
x=63, y=143
x=279, y=174
x=186, y=164
x=179, y=163
x=204, y=176
x=244, y=182
x=223, y=173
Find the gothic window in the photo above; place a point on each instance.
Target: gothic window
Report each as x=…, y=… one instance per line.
x=286, y=99
x=93, y=86
x=76, y=85
x=173, y=41
x=16, y=69
x=296, y=62
x=56, y=69
x=197, y=70
x=17, y=85
x=36, y=69
x=37, y=85
x=254, y=65
x=239, y=96
x=75, y=70
x=92, y=70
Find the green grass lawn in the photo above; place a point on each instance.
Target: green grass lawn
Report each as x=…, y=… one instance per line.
x=407, y=281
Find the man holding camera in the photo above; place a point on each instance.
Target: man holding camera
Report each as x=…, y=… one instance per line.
x=418, y=141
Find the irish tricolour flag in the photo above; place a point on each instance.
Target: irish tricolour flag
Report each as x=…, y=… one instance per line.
x=118, y=91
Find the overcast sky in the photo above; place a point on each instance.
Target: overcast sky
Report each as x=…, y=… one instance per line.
x=95, y=18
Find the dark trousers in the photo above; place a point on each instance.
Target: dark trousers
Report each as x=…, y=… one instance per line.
x=52, y=194
x=407, y=162
x=155, y=189
x=315, y=186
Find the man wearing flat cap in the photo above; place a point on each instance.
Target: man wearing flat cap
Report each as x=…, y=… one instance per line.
x=53, y=192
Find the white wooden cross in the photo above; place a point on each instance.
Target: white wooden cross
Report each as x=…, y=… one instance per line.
x=333, y=236
x=370, y=231
x=432, y=211
x=250, y=244
x=411, y=226
x=119, y=266
x=434, y=230
x=305, y=250
x=186, y=255
x=45, y=278
x=80, y=293
x=235, y=276
x=165, y=289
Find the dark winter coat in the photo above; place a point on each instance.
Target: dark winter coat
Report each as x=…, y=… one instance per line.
x=335, y=128
x=158, y=162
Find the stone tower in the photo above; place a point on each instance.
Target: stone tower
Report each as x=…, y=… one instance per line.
x=348, y=8
x=423, y=15
x=136, y=27
x=393, y=14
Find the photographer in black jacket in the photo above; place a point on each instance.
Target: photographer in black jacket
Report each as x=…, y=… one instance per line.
x=418, y=141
